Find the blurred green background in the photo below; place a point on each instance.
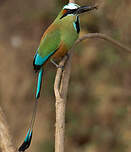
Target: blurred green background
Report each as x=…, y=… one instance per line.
x=98, y=116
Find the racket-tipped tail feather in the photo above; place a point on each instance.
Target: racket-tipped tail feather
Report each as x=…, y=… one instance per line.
x=26, y=142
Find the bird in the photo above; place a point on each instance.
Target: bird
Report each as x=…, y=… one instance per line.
x=55, y=43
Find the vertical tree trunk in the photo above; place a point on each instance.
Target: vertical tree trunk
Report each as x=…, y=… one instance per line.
x=60, y=88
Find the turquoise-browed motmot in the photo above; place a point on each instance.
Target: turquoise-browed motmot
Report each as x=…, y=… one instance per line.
x=55, y=43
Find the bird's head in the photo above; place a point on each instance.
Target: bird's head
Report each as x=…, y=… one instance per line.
x=72, y=9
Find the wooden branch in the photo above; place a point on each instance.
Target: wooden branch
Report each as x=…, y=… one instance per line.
x=5, y=139
x=104, y=37
x=61, y=87
x=61, y=102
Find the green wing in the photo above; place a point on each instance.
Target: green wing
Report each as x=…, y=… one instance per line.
x=50, y=42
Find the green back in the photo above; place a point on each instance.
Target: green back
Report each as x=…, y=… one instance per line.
x=60, y=31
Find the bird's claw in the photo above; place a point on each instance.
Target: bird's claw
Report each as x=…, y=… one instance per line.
x=57, y=65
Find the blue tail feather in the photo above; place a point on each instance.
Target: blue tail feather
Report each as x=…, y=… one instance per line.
x=26, y=142
x=28, y=137
x=39, y=82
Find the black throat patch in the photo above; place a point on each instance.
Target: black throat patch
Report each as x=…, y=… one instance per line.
x=77, y=24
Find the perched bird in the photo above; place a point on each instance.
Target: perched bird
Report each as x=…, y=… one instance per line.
x=55, y=43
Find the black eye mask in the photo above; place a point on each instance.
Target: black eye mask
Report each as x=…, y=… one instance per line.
x=69, y=12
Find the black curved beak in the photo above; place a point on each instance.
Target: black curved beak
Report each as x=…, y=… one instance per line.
x=84, y=9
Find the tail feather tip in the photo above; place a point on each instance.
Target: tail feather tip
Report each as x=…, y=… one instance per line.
x=26, y=142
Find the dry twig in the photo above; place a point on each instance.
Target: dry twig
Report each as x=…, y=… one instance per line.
x=104, y=37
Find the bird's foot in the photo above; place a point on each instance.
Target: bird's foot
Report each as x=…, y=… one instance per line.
x=56, y=65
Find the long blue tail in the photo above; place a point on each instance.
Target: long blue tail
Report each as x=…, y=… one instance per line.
x=39, y=83
x=28, y=137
